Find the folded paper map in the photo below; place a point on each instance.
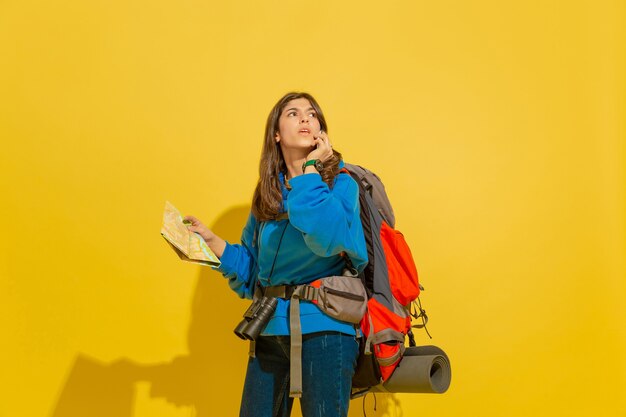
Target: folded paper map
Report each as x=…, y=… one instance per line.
x=189, y=246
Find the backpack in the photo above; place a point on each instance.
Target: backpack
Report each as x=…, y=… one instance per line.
x=391, y=281
x=377, y=301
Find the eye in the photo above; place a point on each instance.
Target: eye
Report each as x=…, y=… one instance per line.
x=291, y=113
x=313, y=114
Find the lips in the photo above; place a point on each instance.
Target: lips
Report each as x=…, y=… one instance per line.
x=305, y=131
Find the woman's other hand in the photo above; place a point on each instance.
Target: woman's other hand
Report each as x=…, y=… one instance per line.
x=198, y=227
x=216, y=243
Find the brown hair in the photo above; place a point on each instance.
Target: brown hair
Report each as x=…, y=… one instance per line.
x=267, y=200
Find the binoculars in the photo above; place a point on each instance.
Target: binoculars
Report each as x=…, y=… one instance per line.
x=256, y=317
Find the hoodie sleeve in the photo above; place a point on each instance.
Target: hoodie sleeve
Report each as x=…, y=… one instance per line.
x=329, y=218
x=239, y=261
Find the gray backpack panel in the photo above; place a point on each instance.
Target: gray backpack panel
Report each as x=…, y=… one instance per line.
x=376, y=189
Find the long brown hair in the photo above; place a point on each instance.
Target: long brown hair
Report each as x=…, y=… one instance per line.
x=267, y=200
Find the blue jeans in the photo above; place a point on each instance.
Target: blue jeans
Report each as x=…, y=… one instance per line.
x=328, y=361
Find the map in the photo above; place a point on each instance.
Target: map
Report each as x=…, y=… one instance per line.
x=189, y=246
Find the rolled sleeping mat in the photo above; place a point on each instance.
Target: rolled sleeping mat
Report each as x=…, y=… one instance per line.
x=423, y=369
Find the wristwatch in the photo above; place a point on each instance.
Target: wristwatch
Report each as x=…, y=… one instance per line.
x=317, y=163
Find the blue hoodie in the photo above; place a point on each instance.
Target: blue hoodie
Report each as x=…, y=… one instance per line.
x=323, y=222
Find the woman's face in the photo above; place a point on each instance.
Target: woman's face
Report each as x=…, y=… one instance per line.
x=297, y=125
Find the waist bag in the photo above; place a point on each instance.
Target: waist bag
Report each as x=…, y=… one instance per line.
x=341, y=297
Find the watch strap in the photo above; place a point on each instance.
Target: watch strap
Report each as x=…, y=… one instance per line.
x=310, y=162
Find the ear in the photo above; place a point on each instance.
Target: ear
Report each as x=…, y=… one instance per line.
x=277, y=137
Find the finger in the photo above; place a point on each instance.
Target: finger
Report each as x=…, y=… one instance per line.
x=326, y=139
x=191, y=219
x=329, y=146
x=197, y=229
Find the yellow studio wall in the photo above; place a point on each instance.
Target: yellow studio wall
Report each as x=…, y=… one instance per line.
x=497, y=128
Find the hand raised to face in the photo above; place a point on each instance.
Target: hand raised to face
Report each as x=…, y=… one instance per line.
x=323, y=148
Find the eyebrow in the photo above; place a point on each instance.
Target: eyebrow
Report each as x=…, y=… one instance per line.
x=294, y=108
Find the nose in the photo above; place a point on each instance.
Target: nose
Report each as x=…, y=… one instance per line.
x=304, y=119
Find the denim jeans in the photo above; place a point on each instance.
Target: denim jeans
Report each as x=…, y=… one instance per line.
x=328, y=361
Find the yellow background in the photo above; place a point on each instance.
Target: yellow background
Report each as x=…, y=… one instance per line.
x=497, y=128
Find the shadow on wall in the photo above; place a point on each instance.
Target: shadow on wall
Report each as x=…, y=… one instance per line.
x=197, y=380
x=215, y=363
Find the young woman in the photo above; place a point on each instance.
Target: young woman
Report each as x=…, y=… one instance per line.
x=304, y=223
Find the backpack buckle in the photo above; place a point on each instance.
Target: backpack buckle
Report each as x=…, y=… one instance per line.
x=308, y=293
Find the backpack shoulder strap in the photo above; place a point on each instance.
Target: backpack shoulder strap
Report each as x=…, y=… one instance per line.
x=371, y=183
